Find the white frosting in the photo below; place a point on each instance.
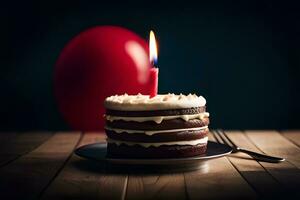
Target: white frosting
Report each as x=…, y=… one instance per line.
x=158, y=119
x=152, y=132
x=160, y=102
x=157, y=144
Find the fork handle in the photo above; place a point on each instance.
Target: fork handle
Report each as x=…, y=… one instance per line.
x=260, y=156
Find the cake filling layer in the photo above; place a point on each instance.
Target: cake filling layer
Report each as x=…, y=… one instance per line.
x=157, y=144
x=152, y=132
x=158, y=119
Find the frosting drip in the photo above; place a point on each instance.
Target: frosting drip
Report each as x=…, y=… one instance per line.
x=160, y=102
x=157, y=119
x=152, y=132
x=157, y=144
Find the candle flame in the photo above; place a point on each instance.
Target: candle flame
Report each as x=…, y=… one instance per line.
x=152, y=48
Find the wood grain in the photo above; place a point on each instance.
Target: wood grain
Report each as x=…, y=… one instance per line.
x=272, y=142
x=286, y=173
x=46, y=168
x=219, y=180
x=255, y=174
x=28, y=176
x=293, y=136
x=83, y=179
x=157, y=186
x=14, y=145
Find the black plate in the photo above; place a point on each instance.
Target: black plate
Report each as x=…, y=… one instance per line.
x=97, y=151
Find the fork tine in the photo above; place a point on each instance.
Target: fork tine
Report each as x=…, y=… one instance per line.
x=216, y=136
x=222, y=137
x=230, y=142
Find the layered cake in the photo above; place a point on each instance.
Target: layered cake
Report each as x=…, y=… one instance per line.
x=165, y=126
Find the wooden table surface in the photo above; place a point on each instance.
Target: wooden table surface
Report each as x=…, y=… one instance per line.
x=41, y=165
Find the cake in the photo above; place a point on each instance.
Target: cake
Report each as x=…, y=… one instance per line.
x=165, y=126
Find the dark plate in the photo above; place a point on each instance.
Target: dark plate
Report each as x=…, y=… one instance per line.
x=97, y=151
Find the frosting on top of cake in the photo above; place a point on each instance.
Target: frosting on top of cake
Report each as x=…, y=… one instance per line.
x=159, y=102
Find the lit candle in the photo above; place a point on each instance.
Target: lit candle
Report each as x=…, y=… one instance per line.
x=153, y=60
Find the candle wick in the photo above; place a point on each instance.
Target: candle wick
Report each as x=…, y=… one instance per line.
x=153, y=64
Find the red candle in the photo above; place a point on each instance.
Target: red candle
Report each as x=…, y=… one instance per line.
x=153, y=81
x=153, y=71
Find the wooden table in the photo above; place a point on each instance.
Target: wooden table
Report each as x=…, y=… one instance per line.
x=41, y=165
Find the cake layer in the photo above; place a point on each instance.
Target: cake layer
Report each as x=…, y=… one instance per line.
x=184, y=111
x=172, y=151
x=152, y=132
x=160, y=102
x=164, y=125
x=183, y=135
x=158, y=119
x=158, y=144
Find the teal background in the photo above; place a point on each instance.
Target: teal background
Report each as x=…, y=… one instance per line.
x=242, y=56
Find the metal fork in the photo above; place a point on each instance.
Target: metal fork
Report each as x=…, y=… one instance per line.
x=222, y=138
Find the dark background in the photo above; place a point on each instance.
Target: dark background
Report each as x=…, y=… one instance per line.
x=242, y=56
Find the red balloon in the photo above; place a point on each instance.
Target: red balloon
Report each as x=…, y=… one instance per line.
x=99, y=62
